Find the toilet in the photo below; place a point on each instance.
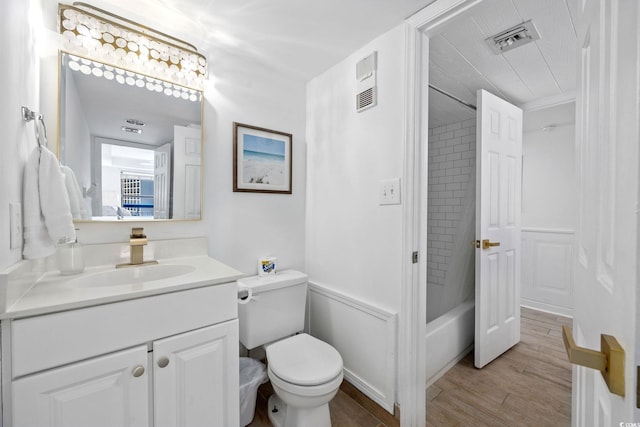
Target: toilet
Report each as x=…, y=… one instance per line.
x=304, y=371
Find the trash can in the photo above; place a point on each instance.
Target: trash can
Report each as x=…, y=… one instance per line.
x=252, y=374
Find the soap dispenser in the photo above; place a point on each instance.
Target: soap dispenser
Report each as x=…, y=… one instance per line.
x=70, y=257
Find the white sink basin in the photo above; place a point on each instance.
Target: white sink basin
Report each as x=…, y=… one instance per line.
x=131, y=275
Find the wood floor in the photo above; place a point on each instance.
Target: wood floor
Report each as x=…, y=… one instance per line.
x=529, y=385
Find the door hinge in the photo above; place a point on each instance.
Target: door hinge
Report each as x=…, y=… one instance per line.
x=414, y=257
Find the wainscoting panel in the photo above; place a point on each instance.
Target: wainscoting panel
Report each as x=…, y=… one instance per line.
x=547, y=278
x=364, y=335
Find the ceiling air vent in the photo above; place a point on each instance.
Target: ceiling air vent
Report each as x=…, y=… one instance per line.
x=513, y=37
x=366, y=77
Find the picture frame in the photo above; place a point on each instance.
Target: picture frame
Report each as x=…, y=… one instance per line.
x=262, y=160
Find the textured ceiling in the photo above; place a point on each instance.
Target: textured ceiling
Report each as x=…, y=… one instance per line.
x=540, y=72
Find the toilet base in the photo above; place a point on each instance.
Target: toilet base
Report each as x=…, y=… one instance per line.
x=277, y=410
x=296, y=417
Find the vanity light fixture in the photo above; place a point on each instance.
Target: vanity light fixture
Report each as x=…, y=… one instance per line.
x=94, y=33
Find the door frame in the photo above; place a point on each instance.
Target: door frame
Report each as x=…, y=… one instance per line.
x=413, y=313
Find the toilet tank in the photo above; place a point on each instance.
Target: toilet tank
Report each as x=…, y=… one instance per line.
x=276, y=308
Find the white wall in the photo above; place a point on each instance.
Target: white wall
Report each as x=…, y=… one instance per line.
x=20, y=87
x=548, y=190
x=240, y=226
x=548, y=208
x=354, y=244
x=244, y=226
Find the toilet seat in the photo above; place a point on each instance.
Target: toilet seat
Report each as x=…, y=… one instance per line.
x=303, y=360
x=330, y=386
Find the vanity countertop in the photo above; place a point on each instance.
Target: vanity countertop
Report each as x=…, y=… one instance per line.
x=53, y=292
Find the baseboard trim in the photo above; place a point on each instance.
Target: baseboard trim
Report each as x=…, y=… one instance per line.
x=547, y=308
x=390, y=420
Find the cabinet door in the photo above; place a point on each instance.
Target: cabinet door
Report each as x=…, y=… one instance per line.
x=107, y=391
x=196, y=378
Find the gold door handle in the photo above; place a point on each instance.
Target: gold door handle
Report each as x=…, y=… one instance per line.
x=486, y=244
x=609, y=360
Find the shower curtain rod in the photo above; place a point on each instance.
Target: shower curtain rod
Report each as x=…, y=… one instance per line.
x=466, y=104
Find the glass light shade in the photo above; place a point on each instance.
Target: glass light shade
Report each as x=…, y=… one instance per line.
x=137, y=49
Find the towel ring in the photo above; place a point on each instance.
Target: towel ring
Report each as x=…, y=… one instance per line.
x=39, y=127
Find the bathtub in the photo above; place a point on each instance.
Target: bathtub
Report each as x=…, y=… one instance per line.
x=448, y=339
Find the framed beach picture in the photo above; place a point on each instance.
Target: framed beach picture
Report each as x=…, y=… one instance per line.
x=261, y=160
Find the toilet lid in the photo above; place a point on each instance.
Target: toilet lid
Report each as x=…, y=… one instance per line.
x=304, y=360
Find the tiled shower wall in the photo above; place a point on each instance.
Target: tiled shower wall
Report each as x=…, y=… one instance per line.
x=452, y=157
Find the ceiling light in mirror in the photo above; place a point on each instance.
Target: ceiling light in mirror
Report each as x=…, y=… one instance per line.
x=139, y=49
x=131, y=130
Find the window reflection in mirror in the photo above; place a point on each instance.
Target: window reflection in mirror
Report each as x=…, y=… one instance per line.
x=132, y=142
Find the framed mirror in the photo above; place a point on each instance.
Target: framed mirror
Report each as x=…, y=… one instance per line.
x=132, y=143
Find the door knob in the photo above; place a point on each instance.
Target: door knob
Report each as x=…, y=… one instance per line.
x=486, y=244
x=609, y=360
x=163, y=361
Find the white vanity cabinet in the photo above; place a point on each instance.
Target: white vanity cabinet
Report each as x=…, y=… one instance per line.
x=165, y=360
x=103, y=391
x=191, y=378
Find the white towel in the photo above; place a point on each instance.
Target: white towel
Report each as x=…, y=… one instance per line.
x=47, y=215
x=36, y=240
x=76, y=201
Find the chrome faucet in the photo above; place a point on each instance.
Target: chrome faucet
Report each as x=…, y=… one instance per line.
x=137, y=240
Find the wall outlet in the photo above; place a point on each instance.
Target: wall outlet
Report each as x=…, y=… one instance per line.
x=389, y=193
x=15, y=222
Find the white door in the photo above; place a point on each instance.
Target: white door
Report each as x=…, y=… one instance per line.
x=186, y=172
x=162, y=182
x=606, y=265
x=498, y=194
x=105, y=391
x=196, y=378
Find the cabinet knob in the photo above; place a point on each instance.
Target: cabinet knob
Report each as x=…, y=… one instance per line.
x=163, y=361
x=138, y=371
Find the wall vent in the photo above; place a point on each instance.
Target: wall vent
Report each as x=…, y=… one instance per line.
x=366, y=99
x=513, y=37
x=366, y=87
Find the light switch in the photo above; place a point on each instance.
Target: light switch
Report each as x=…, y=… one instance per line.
x=389, y=192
